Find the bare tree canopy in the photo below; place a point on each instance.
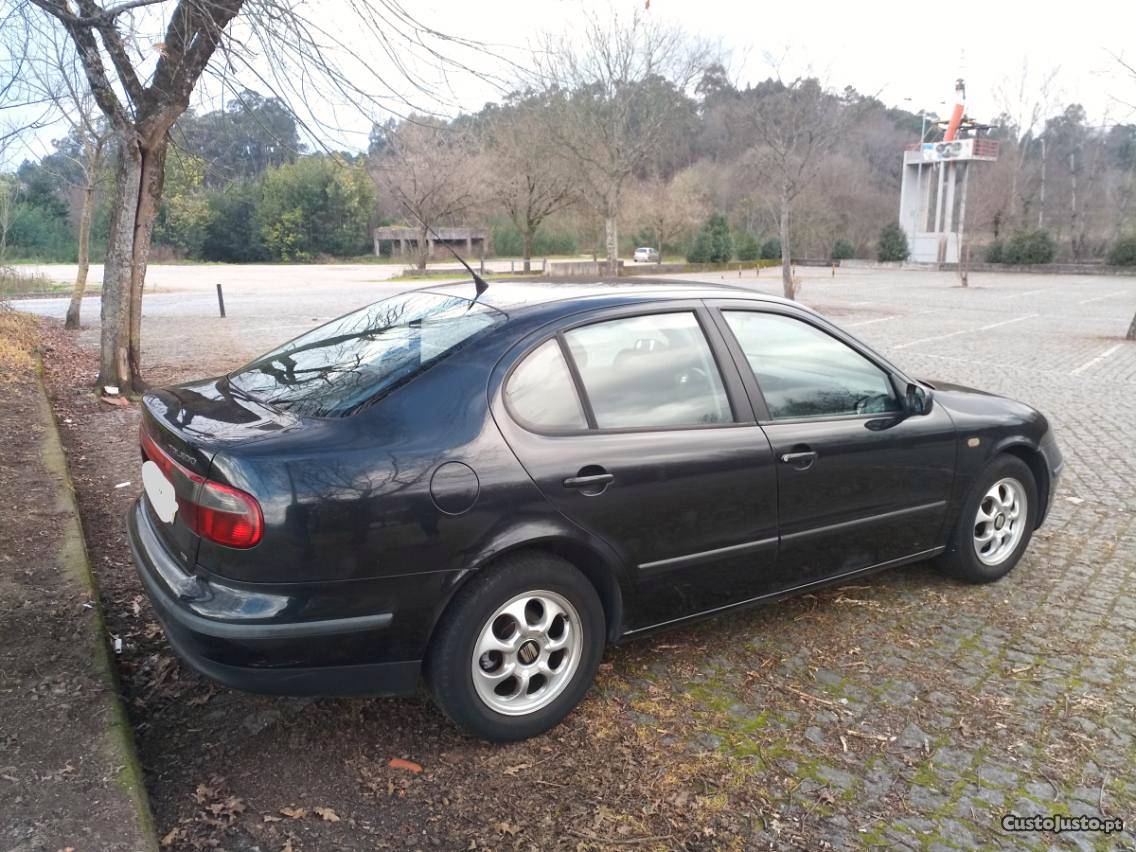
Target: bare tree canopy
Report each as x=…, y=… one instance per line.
x=612, y=101
x=428, y=168
x=525, y=175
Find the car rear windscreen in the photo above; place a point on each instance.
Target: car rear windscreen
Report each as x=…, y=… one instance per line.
x=350, y=362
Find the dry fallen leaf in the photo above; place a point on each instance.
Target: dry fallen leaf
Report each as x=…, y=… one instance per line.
x=409, y=765
x=170, y=836
x=326, y=814
x=294, y=813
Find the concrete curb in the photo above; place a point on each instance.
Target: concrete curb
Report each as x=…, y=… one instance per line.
x=119, y=738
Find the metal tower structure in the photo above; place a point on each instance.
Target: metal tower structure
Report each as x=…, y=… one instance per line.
x=932, y=196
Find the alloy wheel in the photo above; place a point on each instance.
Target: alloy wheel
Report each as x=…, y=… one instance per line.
x=1000, y=521
x=527, y=652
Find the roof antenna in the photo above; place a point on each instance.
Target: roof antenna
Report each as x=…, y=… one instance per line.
x=479, y=283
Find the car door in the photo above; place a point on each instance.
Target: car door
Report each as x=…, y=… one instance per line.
x=861, y=482
x=629, y=425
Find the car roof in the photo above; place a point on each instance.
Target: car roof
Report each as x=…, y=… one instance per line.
x=517, y=297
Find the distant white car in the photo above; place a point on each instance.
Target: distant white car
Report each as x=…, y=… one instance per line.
x=646, y=254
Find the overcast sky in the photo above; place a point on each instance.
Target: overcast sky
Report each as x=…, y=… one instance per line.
x=906, y=53
x=898, y=50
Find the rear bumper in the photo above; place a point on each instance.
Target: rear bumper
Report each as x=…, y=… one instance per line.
x=259, y=640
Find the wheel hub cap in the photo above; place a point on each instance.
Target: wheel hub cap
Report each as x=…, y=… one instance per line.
x=527, y=653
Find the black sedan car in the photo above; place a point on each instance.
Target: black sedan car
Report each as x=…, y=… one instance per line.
x=485, y=491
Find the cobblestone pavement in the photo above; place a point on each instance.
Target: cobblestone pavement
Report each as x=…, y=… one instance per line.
x=906, y=710
x=1017, y=697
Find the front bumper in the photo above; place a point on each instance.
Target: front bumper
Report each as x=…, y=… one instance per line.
x=1055, y=465
x=265, y=640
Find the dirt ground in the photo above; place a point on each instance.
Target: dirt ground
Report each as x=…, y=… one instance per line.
x=904, y=711
x=321, y=769
x=61, y=784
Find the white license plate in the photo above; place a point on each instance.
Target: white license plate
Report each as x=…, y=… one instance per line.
x=160, y=492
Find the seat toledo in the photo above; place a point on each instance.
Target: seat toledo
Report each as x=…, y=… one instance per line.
x=483, y=492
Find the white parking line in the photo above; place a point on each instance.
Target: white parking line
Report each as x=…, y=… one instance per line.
x=964, y=331
x=1099, y=298
x=869, y=322
x=1028, y=293
x=1094, y=361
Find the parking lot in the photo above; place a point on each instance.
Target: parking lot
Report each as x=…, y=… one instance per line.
x=905, y=710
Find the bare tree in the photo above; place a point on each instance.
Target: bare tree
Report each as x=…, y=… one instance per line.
x=57, y=78
x=428, y=168
x=526, y=177
x=668, y=209
x=611, y=103
x=293, y=48
x=141, y=115
x=1026, y=101
x=795, y=127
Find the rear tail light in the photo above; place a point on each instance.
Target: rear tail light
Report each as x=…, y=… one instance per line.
x=213, y=511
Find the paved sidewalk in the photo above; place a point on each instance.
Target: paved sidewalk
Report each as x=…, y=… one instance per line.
x=68, y=774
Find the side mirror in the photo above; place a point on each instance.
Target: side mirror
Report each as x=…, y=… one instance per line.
x=918, y=399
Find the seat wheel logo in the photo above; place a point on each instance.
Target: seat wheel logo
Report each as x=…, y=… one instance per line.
x=528, y=652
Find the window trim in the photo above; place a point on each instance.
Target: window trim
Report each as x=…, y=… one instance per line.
x=737, y=396
x=895, y=378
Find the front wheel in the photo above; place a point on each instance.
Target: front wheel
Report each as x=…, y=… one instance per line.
x=995, y=524
x=518, y=648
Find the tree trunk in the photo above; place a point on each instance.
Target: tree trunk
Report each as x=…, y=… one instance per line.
x=526, y=252
x=611, y=239
x=73, y=309
x=1041, y=199
x=423, y=249
x=1131, y=329
x=141, y=172
x=1074, y=236
x=114, y=343
x=787, y=286
x=149, y=198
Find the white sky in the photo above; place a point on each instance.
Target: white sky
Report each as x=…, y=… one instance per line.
x=906, y=53
x=896, y=50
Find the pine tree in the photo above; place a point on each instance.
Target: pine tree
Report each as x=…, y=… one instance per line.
x=893, y=243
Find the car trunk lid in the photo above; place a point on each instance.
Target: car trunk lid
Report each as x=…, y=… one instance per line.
x=182, y=429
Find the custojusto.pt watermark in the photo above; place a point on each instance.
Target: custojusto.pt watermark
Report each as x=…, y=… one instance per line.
x=1059, y=823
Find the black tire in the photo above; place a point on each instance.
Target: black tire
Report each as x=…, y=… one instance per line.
x=961, y=560
x=449, y=661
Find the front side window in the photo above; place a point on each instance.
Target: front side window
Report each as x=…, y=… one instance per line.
x=649, y=372
x=804, y=372
x=350, y=362
x=541, y=394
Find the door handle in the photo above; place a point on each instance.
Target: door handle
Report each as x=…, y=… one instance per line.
x=588, y=481
x=802, y=460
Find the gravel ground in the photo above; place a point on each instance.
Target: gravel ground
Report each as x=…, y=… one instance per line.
x=905, y=710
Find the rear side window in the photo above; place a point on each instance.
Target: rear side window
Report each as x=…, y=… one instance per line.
x=340, y=367
x=804, y=372
x=649, y=372
x=541, y=394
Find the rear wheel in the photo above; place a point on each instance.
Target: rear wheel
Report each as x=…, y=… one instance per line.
x=518, y=648
x=995, y=524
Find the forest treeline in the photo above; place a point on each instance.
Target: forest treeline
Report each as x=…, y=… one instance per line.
x=241, y=186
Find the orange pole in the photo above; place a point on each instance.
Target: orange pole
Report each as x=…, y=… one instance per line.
x=952, y=128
